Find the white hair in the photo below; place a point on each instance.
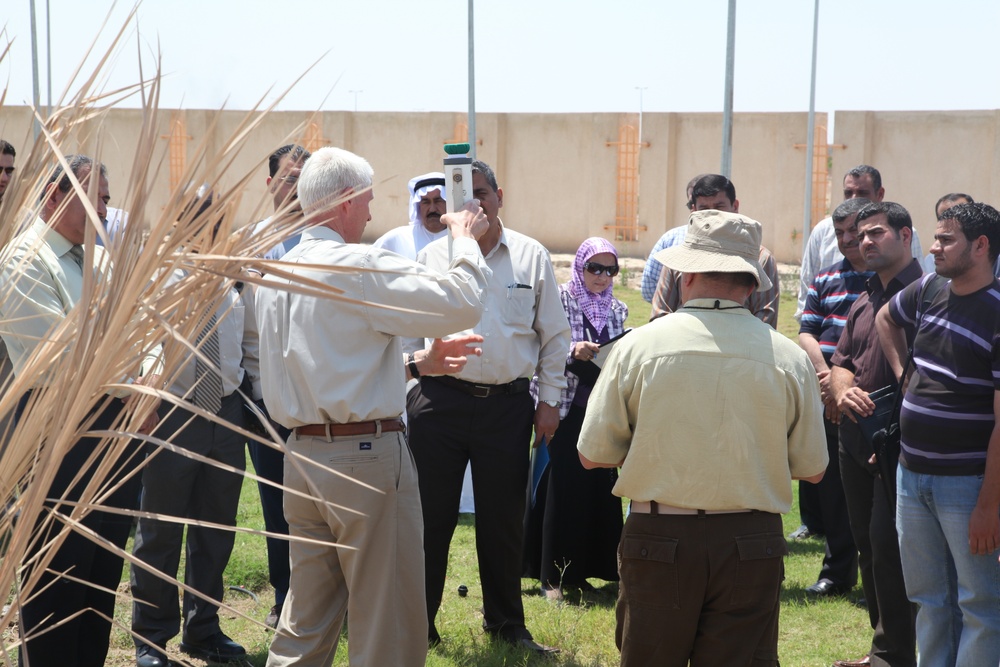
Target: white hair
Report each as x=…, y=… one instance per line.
x=328, y=174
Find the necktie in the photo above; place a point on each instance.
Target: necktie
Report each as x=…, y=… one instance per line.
x=208, y=390
x=76, y=252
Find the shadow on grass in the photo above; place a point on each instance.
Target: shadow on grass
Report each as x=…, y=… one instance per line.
x=604, y=597
x=483, y=652
x=798, y=595
x=808, y=547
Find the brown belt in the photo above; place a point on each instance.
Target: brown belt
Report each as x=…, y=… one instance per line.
x=375, y=427
x=653, y=507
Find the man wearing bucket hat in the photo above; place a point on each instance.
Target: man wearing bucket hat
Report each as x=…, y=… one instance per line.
x=707, y=488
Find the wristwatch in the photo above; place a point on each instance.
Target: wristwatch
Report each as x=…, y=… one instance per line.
x=551, y=404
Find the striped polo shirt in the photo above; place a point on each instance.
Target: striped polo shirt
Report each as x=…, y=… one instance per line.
x=829, y=300
x=947, y=415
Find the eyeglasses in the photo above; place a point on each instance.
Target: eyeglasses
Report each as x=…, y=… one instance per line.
x=7, y=170
x=290, y=180
x=597, y=269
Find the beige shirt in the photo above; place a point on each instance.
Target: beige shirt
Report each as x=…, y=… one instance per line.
x=336, y=361
x=710, y=409
x=524, y=327
x=40, y=282
x=238, y=343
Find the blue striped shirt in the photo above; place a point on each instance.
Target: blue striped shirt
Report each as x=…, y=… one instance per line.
x=947, y=415
x=829, y=300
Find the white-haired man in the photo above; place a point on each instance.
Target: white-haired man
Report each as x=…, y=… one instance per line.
x=332, y=372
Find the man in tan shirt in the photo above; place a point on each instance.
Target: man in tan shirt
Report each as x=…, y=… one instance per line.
x=332, y=371
x=701, y=553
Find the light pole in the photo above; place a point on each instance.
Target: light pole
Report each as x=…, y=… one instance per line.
x=727, y=104
x=807, y=215
x=355, y=93
x=638, y=152
x=640, y=89
x=35, y=95
x=472, y=85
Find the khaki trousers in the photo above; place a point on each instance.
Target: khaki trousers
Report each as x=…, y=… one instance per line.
x=379, y=580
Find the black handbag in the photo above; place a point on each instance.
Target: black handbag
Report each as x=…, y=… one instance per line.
x=886, y=440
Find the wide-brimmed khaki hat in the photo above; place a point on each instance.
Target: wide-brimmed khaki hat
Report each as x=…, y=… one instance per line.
x=718, y=241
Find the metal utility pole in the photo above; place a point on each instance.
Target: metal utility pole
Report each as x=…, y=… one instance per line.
x=640, y=89
x=810, y=140
x=35, y=95
x=48, y=57
x=727, y=104
x=472, y=85
x=638, y=152
x=356, y=93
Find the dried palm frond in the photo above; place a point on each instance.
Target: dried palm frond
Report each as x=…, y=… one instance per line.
x=123, y=317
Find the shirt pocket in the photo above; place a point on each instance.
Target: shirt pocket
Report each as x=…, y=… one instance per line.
x=518, y=306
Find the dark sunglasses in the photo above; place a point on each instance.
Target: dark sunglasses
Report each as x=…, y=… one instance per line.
x=598, y=269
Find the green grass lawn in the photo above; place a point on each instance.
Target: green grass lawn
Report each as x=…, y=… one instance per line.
x=812, y=633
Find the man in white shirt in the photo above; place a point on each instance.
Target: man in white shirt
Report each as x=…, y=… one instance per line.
x=484, y=414
x=331, y=370
x=283, y=167
x=177, y=485
x=427, y=205
x=864, y=182
x=7, y=155
x=66, y=619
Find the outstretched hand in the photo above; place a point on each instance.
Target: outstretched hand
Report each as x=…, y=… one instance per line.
x=445, y=357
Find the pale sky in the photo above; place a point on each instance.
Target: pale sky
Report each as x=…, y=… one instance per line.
x=531, y=55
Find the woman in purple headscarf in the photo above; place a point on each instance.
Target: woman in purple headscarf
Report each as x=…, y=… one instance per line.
x=572, y=522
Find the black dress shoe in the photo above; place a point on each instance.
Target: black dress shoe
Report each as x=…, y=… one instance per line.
x=271, y=620
x=803, y=533
x=826, y=588
x=523, y=640
x=216, y=648
x=530, y=644
x=150, y=656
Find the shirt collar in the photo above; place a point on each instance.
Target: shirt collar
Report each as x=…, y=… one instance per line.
x=60, y=244
x=502, y=241
x=911, y=272
x=322, y=233
x=725, y=305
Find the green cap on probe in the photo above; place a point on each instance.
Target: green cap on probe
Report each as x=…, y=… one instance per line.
x=457, y=149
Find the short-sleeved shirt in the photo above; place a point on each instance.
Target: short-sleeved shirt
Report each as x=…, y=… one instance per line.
x=830, y=297
x=947, y=415
x=859, y=349
x=744, y=413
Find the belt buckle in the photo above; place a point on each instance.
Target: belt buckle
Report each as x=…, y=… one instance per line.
x=481, y=391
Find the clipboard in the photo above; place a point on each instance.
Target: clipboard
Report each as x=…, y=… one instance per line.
x=588, y=370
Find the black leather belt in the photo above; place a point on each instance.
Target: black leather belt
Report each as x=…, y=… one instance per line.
x=518, y=386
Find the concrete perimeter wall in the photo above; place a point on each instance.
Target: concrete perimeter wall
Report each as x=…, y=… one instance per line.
x=921, y=156
x=560, y=175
